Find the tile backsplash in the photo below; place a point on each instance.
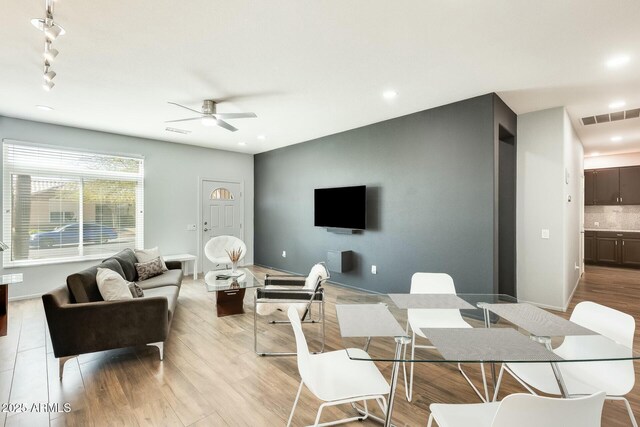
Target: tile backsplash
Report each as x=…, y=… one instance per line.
x=612, y=217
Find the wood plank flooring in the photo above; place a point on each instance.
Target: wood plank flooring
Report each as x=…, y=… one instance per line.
x=211, y=377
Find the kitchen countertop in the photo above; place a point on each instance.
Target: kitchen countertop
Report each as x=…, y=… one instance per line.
x=611, y=229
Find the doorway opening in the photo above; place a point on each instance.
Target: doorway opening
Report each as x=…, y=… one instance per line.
x=506, y=213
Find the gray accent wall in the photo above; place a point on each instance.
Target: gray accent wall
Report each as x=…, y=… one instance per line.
x=172, y=173
x=430, y=179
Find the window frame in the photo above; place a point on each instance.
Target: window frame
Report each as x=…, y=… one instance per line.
x=81, y=177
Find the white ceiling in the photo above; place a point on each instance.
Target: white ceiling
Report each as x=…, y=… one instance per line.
x=310, y=68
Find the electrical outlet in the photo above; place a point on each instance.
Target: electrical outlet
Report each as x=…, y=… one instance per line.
x=597, y=224
x=545, y=233
x=374, y=269
x=191, y=227
x=284, y=254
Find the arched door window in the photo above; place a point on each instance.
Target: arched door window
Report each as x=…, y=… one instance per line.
x=221, y=194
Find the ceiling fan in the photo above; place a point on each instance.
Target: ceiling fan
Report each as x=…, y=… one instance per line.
x=210, y=117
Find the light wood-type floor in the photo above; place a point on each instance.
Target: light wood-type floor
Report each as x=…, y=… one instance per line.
x=211, y=377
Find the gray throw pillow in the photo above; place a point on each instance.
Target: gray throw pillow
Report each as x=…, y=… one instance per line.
x=147, y=270
x=135, y=290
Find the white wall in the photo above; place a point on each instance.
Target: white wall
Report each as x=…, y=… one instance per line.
x=172, y=172
x=612, y=161
x=547, y=148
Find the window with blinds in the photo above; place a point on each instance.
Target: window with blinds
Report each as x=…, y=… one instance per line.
x=61, y=205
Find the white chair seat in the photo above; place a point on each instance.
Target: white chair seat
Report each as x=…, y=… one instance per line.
x=338, y=377
x=422, y=318
x=465, y=415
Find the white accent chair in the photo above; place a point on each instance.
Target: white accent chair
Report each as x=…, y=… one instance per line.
x=521, y=410
x=216, y=251
x=335, y=379
x=434, y=283
x=282, y=291
x=616, y=378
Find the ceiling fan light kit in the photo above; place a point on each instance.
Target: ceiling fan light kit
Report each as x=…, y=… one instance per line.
x=51, y=32
x=209, y=115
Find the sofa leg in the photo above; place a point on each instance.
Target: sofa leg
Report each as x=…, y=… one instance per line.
x=61, y=362
x=160, y=346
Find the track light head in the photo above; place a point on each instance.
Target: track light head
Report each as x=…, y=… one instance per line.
x=53, y=31
x=48, y=85
x=49, y=52
x=49, y=75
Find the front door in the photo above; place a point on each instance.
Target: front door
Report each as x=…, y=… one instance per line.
x=221, y=205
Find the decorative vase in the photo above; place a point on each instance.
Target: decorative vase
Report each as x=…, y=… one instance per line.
x=234, y=267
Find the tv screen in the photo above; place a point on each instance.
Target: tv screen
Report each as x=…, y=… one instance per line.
x=342, y=207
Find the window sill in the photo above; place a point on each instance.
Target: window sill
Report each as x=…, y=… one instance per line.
x=54, y=261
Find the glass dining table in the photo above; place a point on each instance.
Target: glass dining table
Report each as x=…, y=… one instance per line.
x=502, y=330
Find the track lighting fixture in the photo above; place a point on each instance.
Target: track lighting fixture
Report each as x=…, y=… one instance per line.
x=49, y=52
x=51, y=32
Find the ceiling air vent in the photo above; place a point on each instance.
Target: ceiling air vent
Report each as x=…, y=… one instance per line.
x=611, y=117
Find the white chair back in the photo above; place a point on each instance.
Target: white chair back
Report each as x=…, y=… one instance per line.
x=526, y=410
x=613, y=324
x=216, y=249
x=304, y=358
x=432, y=283
x=318, y=272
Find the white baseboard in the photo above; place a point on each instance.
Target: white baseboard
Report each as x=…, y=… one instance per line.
x=547, y=306
x=575, y=287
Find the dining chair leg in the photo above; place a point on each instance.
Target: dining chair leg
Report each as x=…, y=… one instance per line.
x=525, y=385
x=408, y=383
x=295, y=403
x=498, y=383
x=632, y=417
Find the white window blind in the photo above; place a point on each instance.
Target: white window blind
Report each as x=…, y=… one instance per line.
x=61, y=205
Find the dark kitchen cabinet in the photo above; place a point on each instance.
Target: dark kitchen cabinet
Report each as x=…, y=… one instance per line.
x=607, y=250
x=589, y=187
x=612, y=248
x=589, y=247
x=630, y=255
x=629, y=185
x=607, y=186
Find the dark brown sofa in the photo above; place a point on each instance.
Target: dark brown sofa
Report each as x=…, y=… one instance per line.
x=80, y=321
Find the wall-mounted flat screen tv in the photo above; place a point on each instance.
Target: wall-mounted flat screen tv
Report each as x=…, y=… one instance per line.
x=341, y=207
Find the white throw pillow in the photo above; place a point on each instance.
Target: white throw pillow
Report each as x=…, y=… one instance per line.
x=112, y=286
x=146, y=255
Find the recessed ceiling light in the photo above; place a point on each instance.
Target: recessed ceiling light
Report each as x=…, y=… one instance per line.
x=616, y=138
x=389, y=94
x=44, y=107
x=618, y=61
x=262, y=137
x=617, y=104
x=242, y=144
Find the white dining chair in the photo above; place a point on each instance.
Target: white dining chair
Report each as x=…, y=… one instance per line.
x=335, y=379
x=616, y=378
x=434, y=283
x=521, y=410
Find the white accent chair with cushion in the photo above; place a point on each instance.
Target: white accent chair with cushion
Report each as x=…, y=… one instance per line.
x=284, y=291
x=216, y=251
x=335, y=379
x=521, y=410
x=616, y=378
x=434, y=283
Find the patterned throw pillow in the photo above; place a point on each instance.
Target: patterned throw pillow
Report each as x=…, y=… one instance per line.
x=147, y=270
x=135, y=290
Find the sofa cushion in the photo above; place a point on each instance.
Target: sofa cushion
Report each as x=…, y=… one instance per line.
x=168, y=278
x=147, y=270
x=83, y=286
x=170, y=292
x=146, y=255
x=127, y=259
x=112, y=285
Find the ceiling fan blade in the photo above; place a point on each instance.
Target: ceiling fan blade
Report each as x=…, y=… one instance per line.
x=226, y=125
x=183, y=120
x=182, y=106
x=236, y=115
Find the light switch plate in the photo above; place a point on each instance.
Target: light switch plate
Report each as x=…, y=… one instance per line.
x=545, y=233
x=284, y=254
x=374, y=269
x=597, y=224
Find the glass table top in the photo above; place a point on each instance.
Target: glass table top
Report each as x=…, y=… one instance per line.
x=222, y=280
x=379, y=322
